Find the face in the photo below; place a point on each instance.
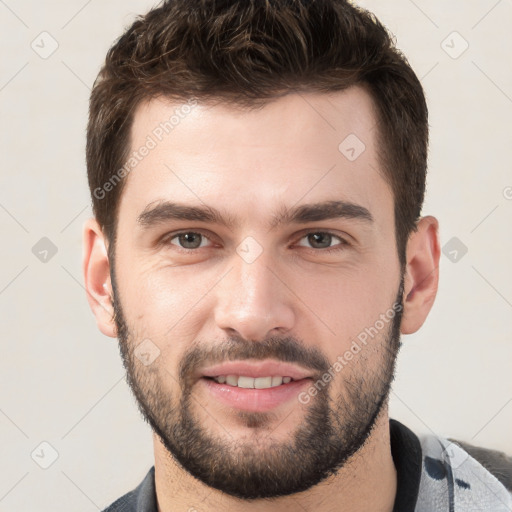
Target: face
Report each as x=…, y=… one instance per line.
x=257, y=287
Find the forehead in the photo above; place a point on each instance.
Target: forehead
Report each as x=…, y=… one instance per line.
x=300, y=147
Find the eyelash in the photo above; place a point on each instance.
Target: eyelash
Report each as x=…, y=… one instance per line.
x=329, y=250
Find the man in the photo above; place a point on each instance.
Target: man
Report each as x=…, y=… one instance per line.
x=257, y=171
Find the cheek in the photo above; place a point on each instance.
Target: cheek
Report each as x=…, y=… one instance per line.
x=155, y=292
x=158, y=382
x=349, y=301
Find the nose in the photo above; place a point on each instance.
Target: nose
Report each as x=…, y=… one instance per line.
x=254, y=300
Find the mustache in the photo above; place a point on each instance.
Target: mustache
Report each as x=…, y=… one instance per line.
x=287, y=349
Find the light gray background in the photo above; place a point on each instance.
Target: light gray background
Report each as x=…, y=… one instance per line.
x=62, y=381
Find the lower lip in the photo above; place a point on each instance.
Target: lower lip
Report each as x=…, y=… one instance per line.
x=255, y=400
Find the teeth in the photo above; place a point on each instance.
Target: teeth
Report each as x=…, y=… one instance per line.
x=261, y=382
x=232, y=380
x=242, y=381
x=277, y=381
x=245, y=382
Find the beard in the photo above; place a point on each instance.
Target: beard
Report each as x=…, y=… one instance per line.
x=256, y=466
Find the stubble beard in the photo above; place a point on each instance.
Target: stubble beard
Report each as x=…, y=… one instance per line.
x=259, y=466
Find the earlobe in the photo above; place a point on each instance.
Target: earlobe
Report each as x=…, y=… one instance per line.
x=96, y=272
x=421, y=274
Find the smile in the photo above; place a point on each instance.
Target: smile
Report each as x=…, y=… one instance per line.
x=244, y=381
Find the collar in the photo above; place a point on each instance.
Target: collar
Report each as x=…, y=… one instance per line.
x=405, y=450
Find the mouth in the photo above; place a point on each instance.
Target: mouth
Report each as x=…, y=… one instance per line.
x=246, y=382
x=254, y=386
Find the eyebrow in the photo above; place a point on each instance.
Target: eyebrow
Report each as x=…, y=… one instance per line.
x=164, y=211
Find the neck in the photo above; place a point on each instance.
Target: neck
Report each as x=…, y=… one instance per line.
x=367, y=483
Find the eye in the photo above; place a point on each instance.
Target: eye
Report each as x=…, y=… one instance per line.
x=188, y=240
x=322, y=240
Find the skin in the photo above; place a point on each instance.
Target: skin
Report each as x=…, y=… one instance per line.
x=251, y=164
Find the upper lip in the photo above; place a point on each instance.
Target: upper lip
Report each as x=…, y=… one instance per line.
x=267, y=368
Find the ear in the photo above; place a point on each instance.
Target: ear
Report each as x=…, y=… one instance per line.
x=96, y=271
x=421, y=274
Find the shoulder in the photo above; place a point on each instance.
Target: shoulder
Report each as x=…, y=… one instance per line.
x=142, y=498
x=461, y=475
x=496, y=462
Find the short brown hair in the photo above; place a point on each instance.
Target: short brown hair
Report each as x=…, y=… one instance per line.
x=252, y=51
